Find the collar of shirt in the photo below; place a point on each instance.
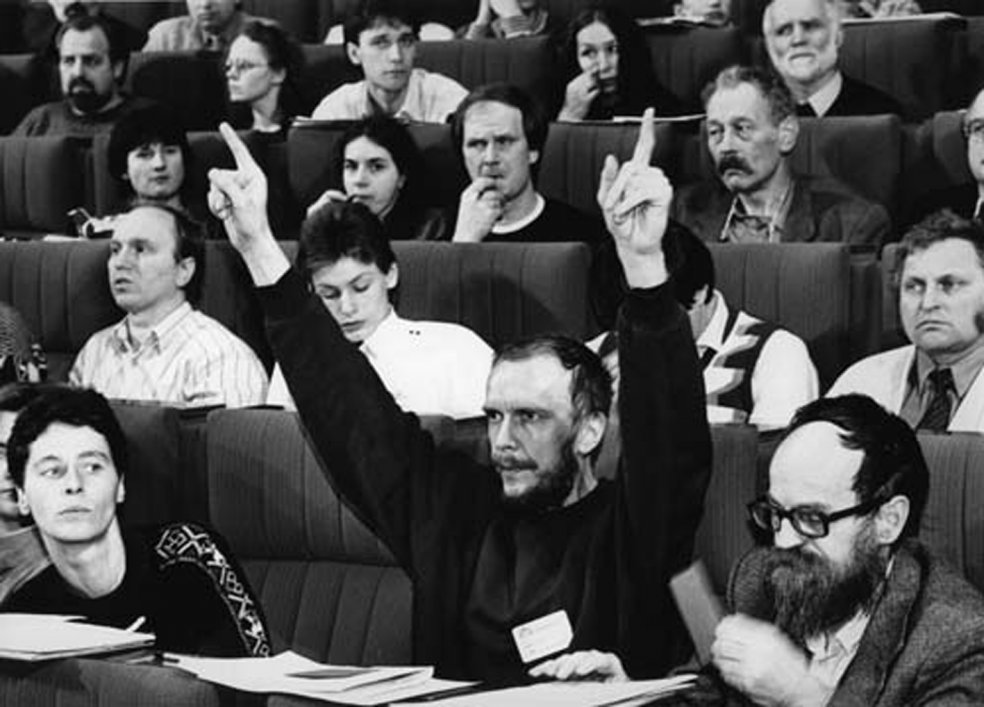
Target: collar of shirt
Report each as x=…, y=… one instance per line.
x=965, y=371
x=121, y=332
x=522, y=223
x=713, y=335
x=412, y=107
x=386, y=335
x=738, y=216
x=841, y=644
x=822, y=100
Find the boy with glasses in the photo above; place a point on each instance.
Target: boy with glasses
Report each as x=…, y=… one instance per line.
x=381, y=38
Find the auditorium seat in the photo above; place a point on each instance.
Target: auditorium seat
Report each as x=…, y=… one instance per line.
x=22, y=85
x=934, y=160
x=953, y=524
x=40, y=182
x=575, y=152
x=804, y=287
x=974, y=79
x=330, y=590
x=687, y=58
x=918, y=62
x=193, y=83
x=892, y=332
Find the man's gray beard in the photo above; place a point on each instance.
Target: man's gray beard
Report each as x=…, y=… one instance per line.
x=552, y=487
x=810, y=596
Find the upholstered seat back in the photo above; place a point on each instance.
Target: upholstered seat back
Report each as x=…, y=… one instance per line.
x=687, y=58
x=21, y=85
x=329, y=588
x=40, y=182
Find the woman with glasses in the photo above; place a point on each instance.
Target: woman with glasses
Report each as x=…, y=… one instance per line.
x=263, y=70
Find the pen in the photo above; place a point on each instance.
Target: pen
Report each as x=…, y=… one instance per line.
x=136, y=624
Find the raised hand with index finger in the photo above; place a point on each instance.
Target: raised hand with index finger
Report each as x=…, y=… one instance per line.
x=238, y=197
x=635, y=201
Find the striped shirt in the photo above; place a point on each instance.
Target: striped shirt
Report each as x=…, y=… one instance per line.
x=189, y=359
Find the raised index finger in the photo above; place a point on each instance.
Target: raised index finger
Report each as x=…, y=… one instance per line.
x=646, y=140
x=240, y=153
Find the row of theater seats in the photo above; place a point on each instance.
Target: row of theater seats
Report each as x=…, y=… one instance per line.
x=332, y=591
x=928, y=65
x=897, y=165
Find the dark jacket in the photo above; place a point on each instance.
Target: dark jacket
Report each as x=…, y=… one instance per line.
x=822, y=209
x=858, y=98
x=479, y=570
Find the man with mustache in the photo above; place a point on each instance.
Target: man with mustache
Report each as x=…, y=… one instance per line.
x=803, y=38
x=847, y=607
x=751, y=130
x=499, y=131
x=535, y=546
x=91, y=64
x=934, y=383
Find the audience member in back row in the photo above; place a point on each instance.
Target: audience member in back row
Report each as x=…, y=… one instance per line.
x=537, y=535
x=751, y=130
x=163, y=349
x=608, y=70
x=499, y=130
x=508, y=19
x=68, y=459
x=754, y=370
x=381, y=38
x=263, y=72
x=966, y=200
x=847, y=606
x=209, y=24
x=42, y=21
x=430, y=368
x=803, y=38
x=91, y=65
x=22, y=554
x=935, y=383
x=381, y=166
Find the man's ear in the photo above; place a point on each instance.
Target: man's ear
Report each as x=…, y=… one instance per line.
x=534, y=156
x=788, y=134
x=354, y=55
x=186, y=271
x=120, y=492
x=590, y=433
x=891, y=518
x=22, y=505
x=119, y=67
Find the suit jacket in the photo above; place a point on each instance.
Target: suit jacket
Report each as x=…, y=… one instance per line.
x=822, y=209
x=858, y=98
x=884, y=377
x=960, y=198
x=924, y=643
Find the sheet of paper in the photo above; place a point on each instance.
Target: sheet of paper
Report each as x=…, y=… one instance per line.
x=35, y=637
x=699, y=606
x=568, y=694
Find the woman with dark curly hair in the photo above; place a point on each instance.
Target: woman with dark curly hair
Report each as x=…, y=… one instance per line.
x=263, y=69
x=608, y=70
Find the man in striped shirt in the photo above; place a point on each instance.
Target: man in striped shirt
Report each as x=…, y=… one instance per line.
x=164, y=350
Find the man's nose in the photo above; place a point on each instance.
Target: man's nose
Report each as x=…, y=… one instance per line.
x=799, y=34
x=72, y=480
x=501, y=434
x=930, y=297
x=395, y=53
x=787, y=537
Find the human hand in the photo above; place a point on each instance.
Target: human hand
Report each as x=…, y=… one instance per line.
x=635, y=201
x=479, y=208
x=484, y=15
x=330, y=196
x=581, y=91
x=238, y=197
x=506, y=8
x=761, y=662
x=582, y=665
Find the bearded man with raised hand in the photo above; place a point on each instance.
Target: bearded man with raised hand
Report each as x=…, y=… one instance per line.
x=752, y=129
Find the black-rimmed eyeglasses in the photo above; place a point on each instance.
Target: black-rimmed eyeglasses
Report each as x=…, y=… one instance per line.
x=808, y=522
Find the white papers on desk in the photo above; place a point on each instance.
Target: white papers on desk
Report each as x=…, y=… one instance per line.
x=34, y=637
x=340, y=684
x=572, y=694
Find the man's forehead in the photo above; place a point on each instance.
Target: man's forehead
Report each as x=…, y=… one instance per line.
x=495, y=117
x=812, y=465
x=949, y=255
x=538, y=378
x=146, y=223
x=388, y=26
x=741, y=100
x=90, y=41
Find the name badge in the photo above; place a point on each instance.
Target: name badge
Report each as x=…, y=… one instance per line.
x=543, y=636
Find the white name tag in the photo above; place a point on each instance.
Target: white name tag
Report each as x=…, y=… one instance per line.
x=543, y=636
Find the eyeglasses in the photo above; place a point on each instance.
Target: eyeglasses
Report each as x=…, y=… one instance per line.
x=239, y=67
x=813, y=524
x=974, y=130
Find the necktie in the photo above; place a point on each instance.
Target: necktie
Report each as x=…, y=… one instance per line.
x=937, y=415
x=805, y=110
